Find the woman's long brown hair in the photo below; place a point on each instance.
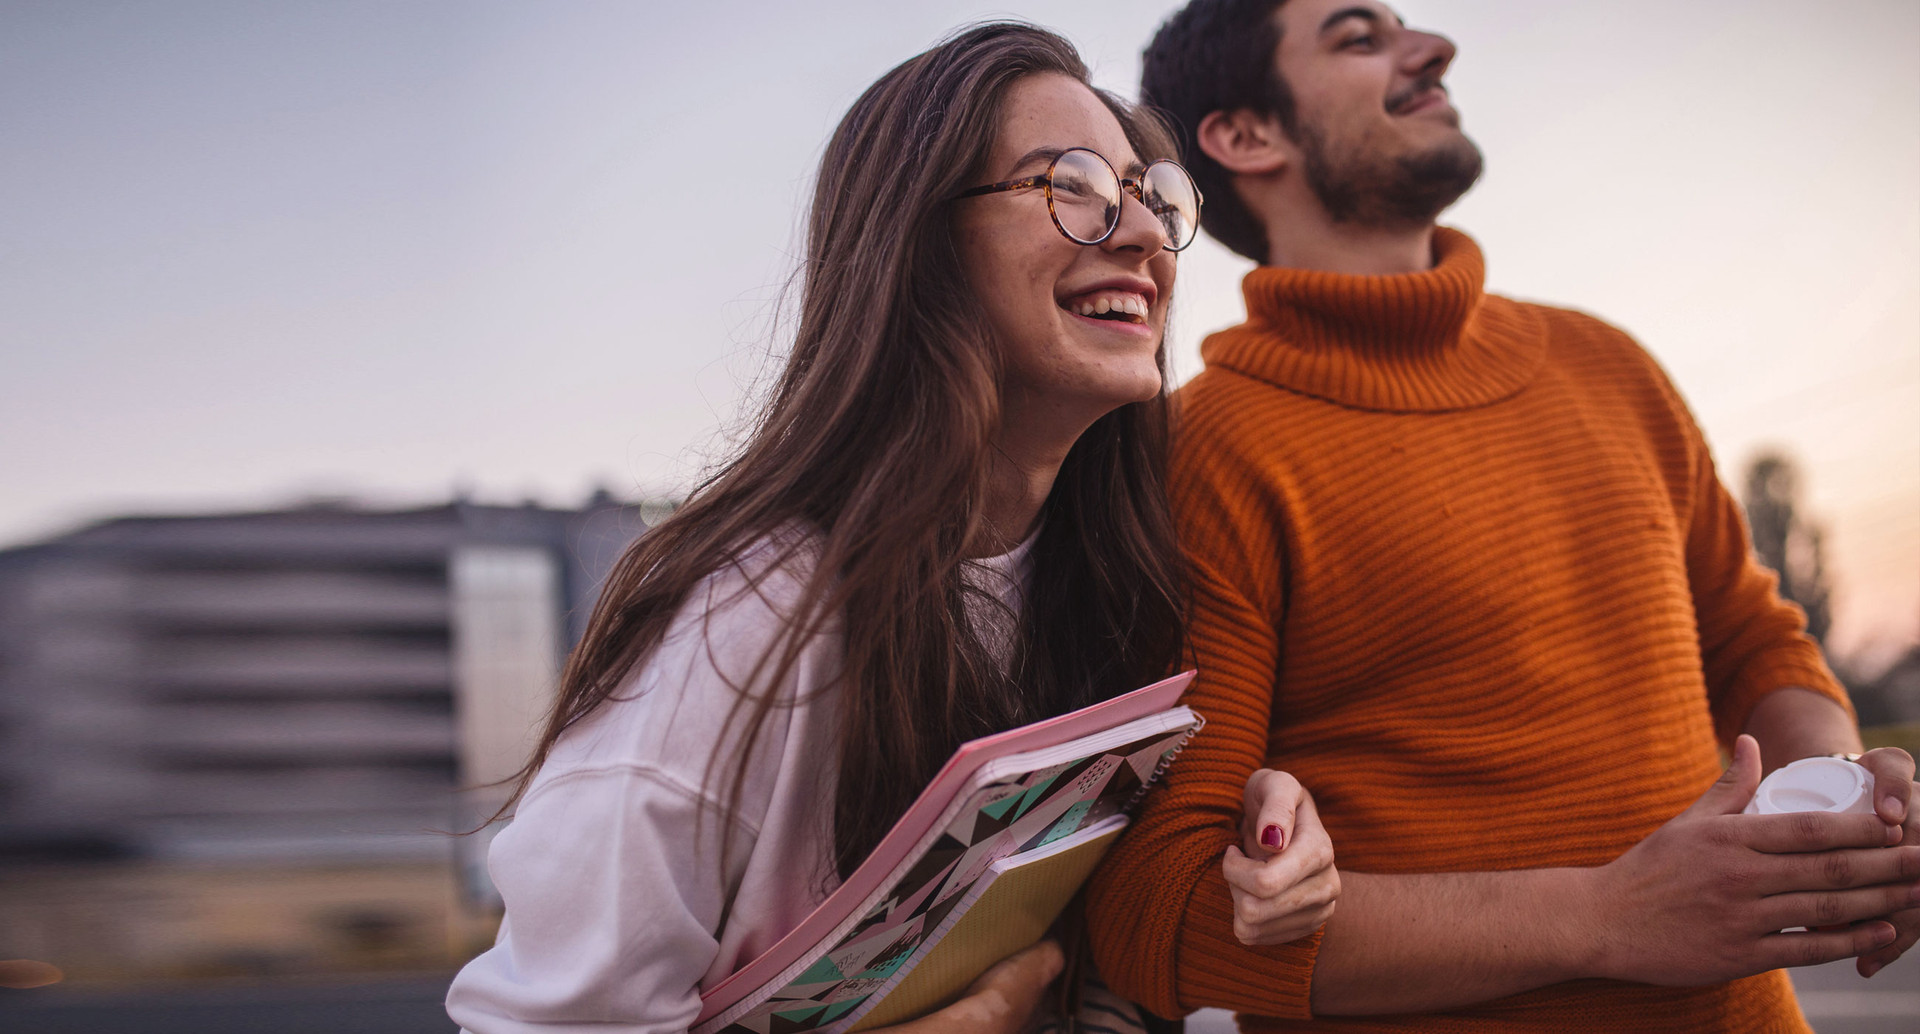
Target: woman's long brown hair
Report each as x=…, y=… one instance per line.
x=876, y=439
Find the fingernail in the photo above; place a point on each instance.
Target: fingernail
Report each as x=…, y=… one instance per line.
x=1896, y=808
x=1272, y=838
x=1869, y=969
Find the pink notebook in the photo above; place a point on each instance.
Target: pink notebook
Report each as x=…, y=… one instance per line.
x=997, y=796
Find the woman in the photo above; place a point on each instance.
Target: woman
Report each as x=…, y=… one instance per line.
x=949, y=521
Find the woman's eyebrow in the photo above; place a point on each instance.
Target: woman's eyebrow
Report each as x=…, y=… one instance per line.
x=1049, y=154
x=1044, y=155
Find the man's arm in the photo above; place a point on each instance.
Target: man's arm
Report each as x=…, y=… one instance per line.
x=1697, y=902
x=1426, y=942
x=1794, y=723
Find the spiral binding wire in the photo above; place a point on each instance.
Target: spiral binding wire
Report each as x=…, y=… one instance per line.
x=1199, y=723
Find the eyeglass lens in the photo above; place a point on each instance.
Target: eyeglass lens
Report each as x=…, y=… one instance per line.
x=1086, y=198
x=1170, y=195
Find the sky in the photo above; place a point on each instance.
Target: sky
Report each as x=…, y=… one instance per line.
x=257, y=253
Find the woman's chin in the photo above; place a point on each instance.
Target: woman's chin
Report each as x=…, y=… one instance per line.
x=1134, y=386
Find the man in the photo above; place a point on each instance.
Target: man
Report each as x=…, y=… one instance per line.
x=1461, y=565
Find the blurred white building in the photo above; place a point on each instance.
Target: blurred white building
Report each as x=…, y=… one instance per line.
x=311, y=683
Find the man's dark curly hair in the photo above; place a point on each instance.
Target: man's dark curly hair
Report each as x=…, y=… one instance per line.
x=1217, y=55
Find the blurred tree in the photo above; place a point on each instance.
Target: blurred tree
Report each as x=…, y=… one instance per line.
x=1786, y=541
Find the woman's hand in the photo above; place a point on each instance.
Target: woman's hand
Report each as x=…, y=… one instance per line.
x=1282, y=876
x=1005, y=1000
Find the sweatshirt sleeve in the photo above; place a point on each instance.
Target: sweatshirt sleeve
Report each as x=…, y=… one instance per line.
x=612, y=910
x=1752, y=642
x=1159, y=910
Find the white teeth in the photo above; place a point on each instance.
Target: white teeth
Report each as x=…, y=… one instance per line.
x=1131, y=304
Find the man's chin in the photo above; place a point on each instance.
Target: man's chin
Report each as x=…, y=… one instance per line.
x=1431, y=171
x=1431, y=180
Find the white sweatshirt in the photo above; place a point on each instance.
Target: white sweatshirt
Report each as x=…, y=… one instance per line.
x=617, y=914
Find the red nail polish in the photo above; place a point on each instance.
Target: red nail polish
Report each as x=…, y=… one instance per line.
x=1272, y=839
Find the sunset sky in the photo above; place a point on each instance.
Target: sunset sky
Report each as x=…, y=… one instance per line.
x=254, y=253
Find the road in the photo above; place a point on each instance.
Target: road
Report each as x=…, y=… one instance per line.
x=1837, y=1001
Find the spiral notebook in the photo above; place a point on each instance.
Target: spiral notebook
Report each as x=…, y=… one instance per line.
x=1029, y=811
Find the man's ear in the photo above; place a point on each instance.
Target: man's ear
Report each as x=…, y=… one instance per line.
x=1244, y=142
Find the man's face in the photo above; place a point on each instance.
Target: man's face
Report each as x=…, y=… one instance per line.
x=1379, y=141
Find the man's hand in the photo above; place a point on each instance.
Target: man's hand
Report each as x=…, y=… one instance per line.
x=1892, y=770
x=1282, y=878
x=1004, y=1000
x=1702, y=900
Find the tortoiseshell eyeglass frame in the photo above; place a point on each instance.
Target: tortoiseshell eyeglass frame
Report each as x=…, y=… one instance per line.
x=1128, y=184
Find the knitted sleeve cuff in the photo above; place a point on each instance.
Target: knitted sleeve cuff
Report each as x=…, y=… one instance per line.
x=1217, y=971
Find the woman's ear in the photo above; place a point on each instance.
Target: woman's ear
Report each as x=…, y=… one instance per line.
x=1244, y=142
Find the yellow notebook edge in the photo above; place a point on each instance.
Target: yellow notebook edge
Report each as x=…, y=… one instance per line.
x=999, y=916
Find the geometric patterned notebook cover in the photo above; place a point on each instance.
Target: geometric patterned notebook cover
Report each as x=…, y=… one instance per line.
x=1008, y=814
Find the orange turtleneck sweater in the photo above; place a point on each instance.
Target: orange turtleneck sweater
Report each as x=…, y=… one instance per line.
x=1461, y=565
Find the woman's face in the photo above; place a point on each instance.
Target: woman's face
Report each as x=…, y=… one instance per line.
x=1067, y=362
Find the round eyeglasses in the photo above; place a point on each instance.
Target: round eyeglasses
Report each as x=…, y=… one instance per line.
x=1084, y=195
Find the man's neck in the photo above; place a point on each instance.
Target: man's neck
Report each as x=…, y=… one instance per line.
x=1315, y=242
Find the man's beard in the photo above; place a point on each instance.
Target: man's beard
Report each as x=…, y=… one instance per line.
x=1379, y=191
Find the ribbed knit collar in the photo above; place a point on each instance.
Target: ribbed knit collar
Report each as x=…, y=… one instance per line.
x=1408, y=343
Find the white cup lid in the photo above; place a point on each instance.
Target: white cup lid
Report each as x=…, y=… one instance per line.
x=1815, y=784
